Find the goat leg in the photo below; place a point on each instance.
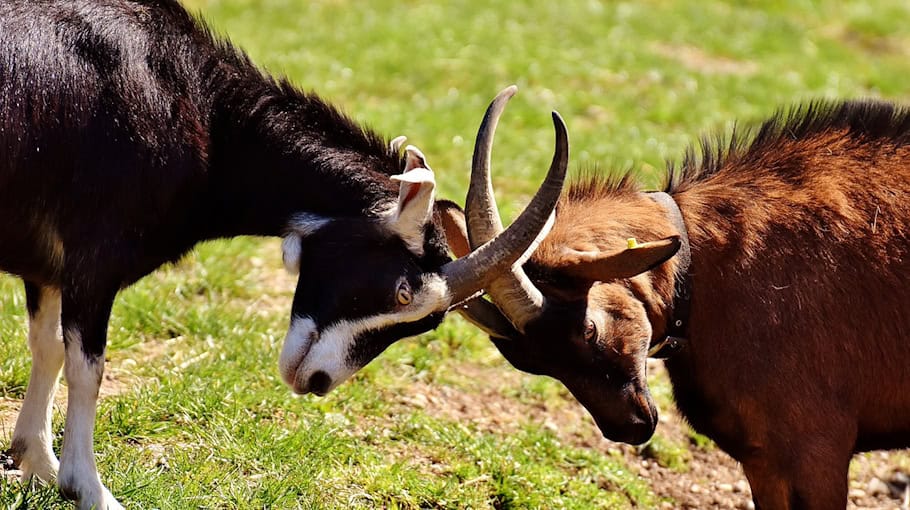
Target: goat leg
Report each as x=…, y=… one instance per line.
x=85, y=319
x=814, y=481
x=32, y=446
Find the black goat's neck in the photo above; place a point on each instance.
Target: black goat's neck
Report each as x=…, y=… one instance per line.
x=276, y=152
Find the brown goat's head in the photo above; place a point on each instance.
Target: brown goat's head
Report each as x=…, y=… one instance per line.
x=576, y=310
x=593, y=336
x=594, y=332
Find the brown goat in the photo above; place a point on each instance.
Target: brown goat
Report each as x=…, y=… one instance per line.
x=796, y=353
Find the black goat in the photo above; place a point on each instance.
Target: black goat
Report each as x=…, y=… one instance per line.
x=128, y=134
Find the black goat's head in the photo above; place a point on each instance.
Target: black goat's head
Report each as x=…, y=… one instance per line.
x=366, y=282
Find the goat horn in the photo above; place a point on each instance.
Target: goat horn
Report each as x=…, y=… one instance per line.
x=483, y=266
x=513, y=292
x=481, y=212
x=484, y=314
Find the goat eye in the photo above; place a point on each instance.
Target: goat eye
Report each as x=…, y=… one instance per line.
x=590, y=330
x=403, y=294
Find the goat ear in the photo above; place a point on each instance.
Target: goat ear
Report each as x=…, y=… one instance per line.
x=601, y=267
x=300, y=226
x=415, y=199
x=456, y=229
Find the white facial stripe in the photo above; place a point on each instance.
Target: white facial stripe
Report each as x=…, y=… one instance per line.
x=301, y=357
x=327, y=354
x=433, y=296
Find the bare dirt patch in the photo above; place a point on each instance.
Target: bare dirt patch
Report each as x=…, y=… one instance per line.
x=9, y=407
x=708, y=479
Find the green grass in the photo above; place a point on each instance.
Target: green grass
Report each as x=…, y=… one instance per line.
x=202, y=419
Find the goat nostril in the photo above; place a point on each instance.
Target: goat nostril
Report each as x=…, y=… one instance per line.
x=319, y=383
x=314, y=335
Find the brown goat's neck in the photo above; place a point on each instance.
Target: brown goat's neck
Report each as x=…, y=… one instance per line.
x=658, y=288
x=677, y=325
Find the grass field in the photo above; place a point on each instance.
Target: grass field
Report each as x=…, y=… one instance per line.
x=195, y=415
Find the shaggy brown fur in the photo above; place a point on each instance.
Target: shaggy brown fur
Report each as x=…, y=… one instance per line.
x=798, y=352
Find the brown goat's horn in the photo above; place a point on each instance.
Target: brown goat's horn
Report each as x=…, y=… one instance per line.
x=481, y=212
x=481, y=268
x=486, y=316
x=513, y=291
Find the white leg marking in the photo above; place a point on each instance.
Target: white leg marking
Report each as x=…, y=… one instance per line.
x=32, y=445
x=78, y=475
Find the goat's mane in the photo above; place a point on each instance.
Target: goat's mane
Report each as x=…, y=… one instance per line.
x=592, y=182
x=348, y=134
x=866, y=121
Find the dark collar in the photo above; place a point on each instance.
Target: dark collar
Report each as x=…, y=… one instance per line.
x=676, y=335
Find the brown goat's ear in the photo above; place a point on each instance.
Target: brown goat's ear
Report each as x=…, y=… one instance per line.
x=602, y=266
x=456, y=229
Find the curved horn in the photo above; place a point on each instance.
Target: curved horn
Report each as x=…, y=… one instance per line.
x=514, y=293
x=484, y=314
x=481, y=212
x=480, y=268
x=477, y=310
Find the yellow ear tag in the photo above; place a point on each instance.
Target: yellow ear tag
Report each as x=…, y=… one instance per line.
x=632, y=243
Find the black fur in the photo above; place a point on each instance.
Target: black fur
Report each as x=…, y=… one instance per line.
x=128, y=133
